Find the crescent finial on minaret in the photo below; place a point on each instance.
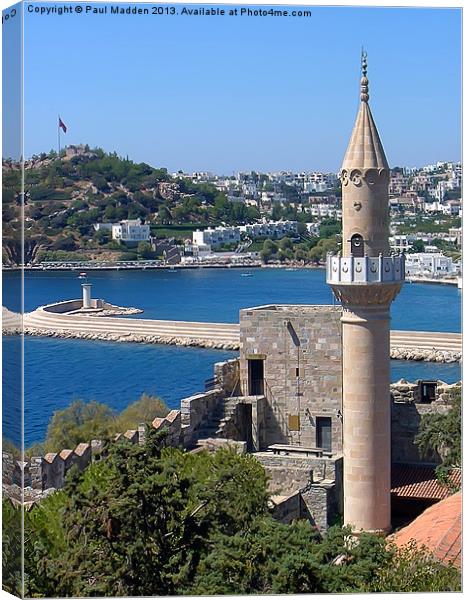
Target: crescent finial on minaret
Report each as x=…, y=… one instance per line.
x=364, y=80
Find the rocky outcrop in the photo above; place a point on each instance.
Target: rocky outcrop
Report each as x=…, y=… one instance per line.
x=129, y=337
x=430, y=355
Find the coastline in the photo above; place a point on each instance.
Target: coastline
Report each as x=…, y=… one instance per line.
x=396, y=352
x=150, y=266
x=146, y=266
x=68, y=320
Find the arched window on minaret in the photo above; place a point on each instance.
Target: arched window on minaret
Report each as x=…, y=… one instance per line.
x=357, y=245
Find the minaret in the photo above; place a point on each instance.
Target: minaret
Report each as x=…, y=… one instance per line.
x=366, y=279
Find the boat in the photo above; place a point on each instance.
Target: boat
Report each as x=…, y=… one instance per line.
x=82, y=276
x=246, y=274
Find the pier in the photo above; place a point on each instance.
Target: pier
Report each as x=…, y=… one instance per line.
x=64, y=320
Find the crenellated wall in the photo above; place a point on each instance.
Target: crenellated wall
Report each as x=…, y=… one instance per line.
x=183, y=427
x=186, y=426
x=407, y=411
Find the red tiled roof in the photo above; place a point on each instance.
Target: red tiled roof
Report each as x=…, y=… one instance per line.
x=438, y=528
x=419, y=481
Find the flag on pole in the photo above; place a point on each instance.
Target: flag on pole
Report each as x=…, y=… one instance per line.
x=62, y=125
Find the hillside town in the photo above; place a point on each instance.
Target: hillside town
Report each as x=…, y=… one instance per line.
x=91, y=209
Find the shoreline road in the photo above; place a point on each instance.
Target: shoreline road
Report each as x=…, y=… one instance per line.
x=412, y=345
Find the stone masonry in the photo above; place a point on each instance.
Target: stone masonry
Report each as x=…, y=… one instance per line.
x=300, y=347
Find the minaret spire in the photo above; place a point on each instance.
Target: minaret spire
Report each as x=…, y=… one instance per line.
x=364, y=80
x=365, y=149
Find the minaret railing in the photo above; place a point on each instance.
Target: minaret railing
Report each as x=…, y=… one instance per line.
x=366, y=269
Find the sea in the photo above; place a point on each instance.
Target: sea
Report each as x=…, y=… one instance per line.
x=60, y=371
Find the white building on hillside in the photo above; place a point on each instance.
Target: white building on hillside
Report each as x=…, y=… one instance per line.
x=402, y=243
x=216, y=236
x=429, y=265
x=130, y=230
x=270, y=229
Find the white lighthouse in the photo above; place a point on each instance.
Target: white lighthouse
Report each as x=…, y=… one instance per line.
x=86, y=287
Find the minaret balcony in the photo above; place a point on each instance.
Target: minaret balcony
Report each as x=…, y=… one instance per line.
x=365, y=270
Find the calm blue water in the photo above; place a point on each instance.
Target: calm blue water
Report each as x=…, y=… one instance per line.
x=59, y=371
x=219, y=294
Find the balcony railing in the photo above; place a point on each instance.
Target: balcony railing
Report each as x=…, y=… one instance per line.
x=350, y=269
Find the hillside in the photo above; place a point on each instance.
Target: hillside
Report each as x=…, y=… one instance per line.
x=66, y=195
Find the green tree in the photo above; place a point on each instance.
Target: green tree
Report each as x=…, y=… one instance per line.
x=102, y=236
x=82, y=422
x=138, y=522
x=164, y=215
x=329, y=228
x=417, y=246
x=100, y=182
x=276, y=212
x=11, y=548
x=300, y=254
x=319, y=252
x=285, y=243
x=440, y=433
x=144, y=410
x=149, y=520
x=270, y=246
x=145, y=251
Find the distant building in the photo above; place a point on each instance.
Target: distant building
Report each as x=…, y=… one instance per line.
x=402, y=243
x=270, y=229
x=130, y=231
x=79, y=150
x=216, y=236
x=313, y=228
x=455, y=234
x=324, y=211
x=429, y=264
x=197, y=250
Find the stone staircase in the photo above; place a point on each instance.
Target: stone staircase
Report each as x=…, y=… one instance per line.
x=220, y=421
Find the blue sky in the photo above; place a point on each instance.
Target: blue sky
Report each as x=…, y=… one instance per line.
x=233, y=93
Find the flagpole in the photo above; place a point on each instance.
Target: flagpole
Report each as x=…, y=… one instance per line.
x=58, y=128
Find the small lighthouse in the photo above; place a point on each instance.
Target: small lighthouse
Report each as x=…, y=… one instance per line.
x=366, y=279
x=86, y=287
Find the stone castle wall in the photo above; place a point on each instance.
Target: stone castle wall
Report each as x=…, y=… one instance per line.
x=316, y=481
x=301, y=351
x=48, y=472
x=407, y=411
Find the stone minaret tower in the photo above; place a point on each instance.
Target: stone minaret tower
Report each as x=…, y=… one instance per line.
x=365, y=279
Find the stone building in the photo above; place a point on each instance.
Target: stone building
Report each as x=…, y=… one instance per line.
x=291, y=357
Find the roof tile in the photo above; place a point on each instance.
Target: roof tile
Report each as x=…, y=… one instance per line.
x=438, y=528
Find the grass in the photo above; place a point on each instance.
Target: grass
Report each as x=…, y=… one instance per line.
x=179, y=231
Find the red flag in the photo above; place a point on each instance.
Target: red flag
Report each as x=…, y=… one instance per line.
x=62, y=125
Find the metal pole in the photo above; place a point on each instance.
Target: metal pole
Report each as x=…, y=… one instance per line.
x=58, y=131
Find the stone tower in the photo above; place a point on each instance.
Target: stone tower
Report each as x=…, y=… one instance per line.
x=366, y=279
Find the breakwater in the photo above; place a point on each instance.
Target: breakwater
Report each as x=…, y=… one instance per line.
x=66, y=320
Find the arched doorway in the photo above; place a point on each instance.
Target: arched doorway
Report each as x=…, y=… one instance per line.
x=357, y=245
